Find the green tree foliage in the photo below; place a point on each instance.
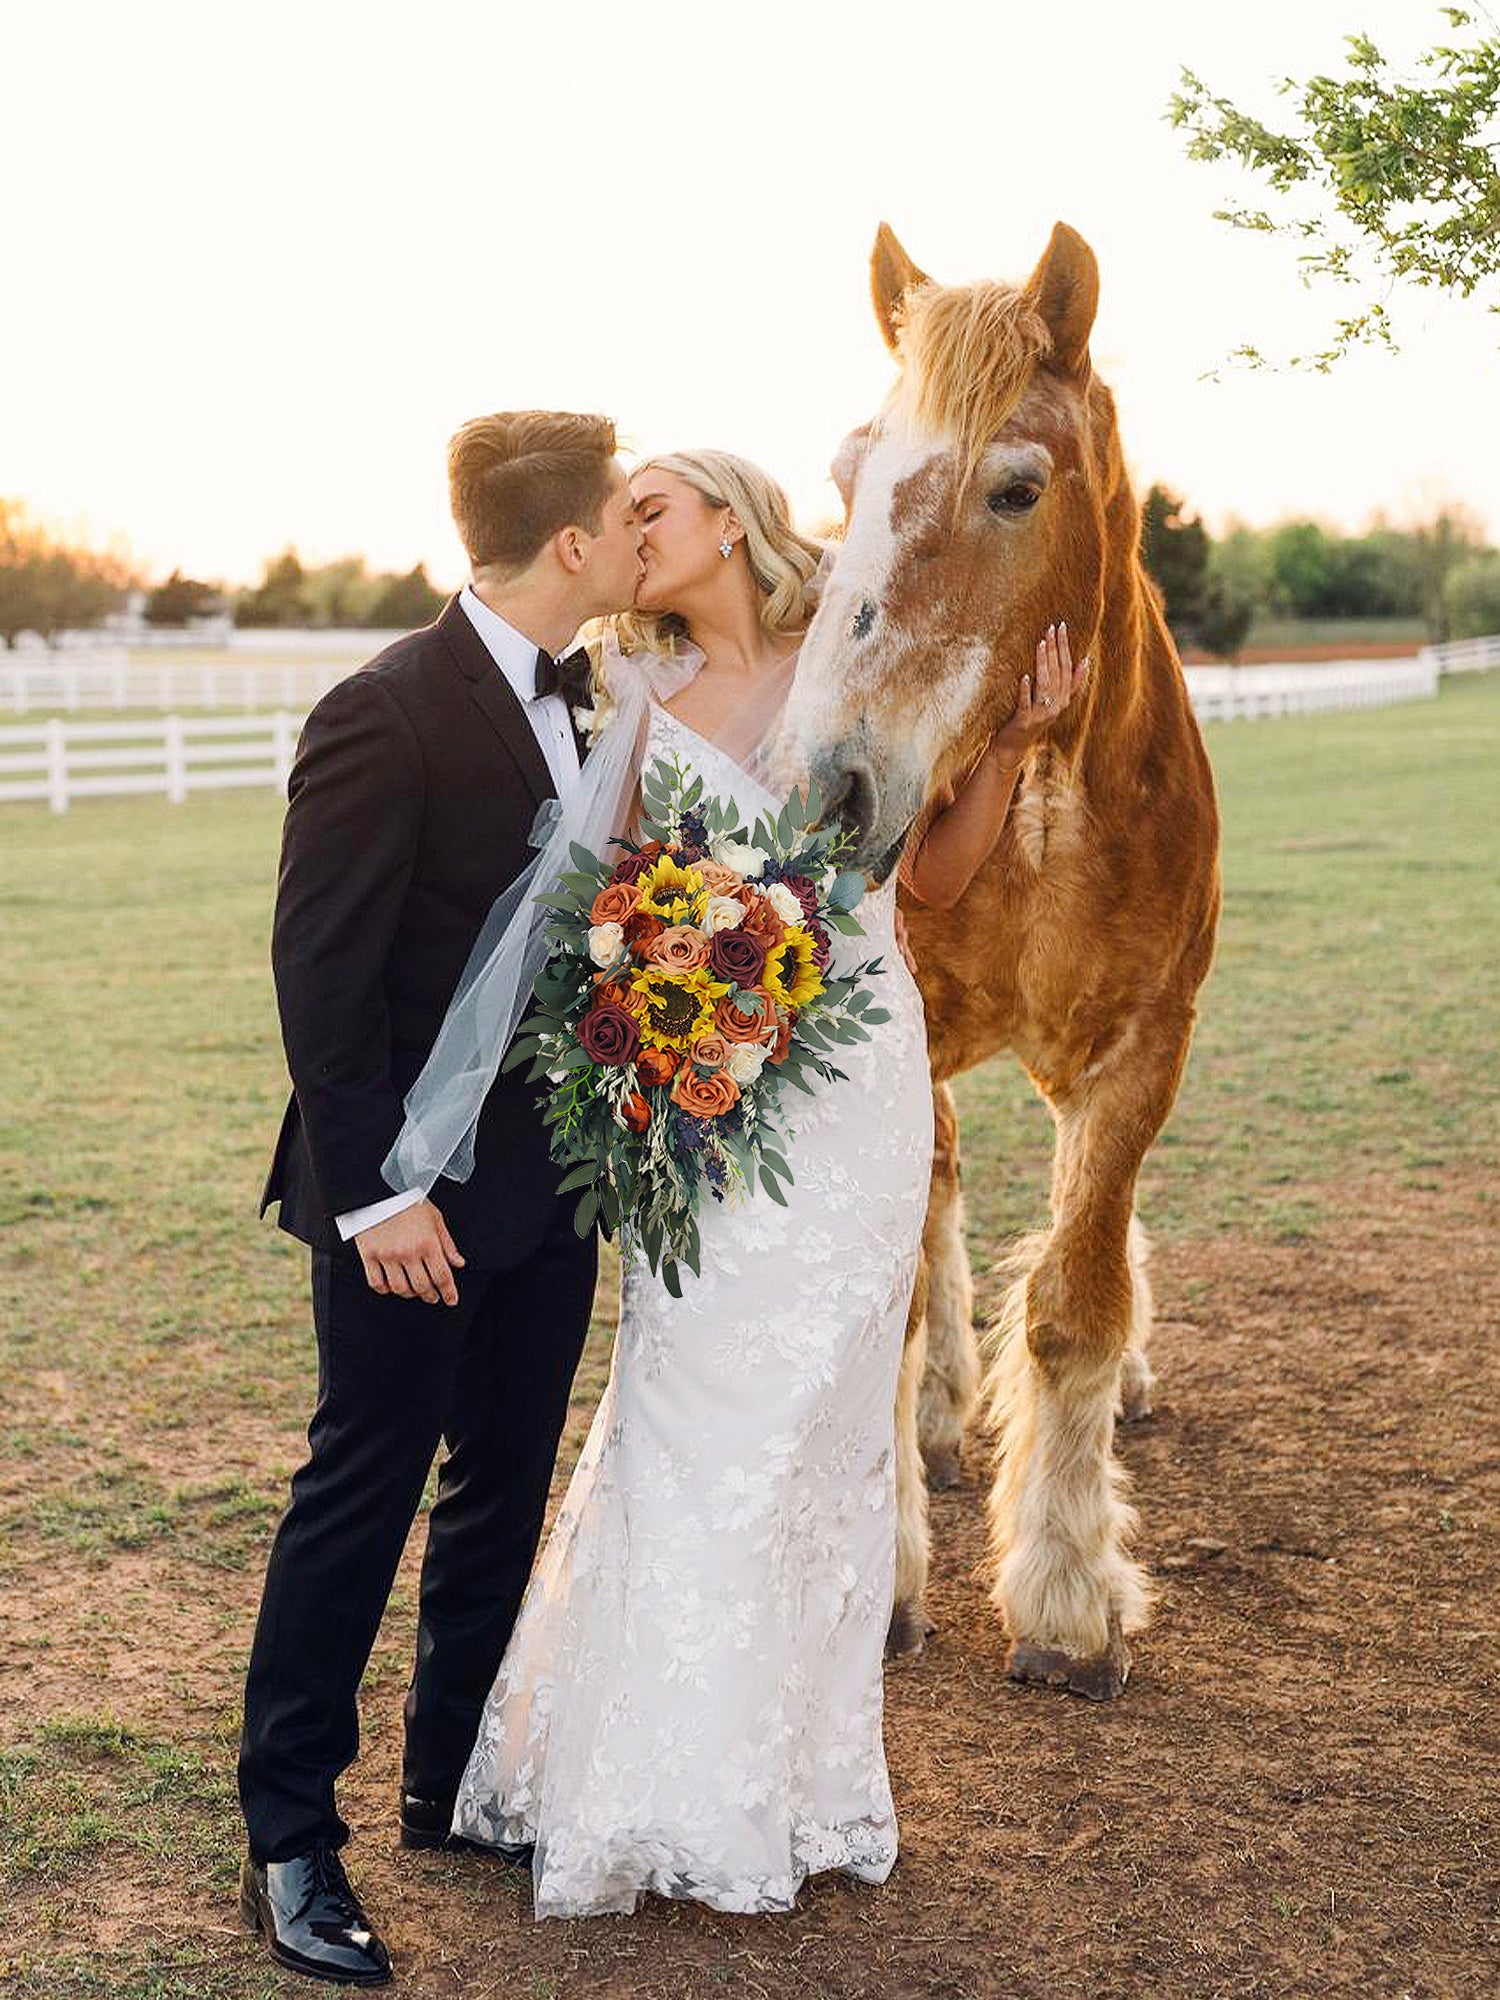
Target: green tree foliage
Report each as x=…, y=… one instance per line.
x=181, y=599
x=1383, y=180
x=1471, y=596
x=404, y=602
x=341, y=593
x=280, y=598
x=48, y=585
x=1174, y=548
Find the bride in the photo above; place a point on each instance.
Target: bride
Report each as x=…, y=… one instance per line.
x=691, y=1700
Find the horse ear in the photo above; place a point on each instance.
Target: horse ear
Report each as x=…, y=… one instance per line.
x=892, y=276
x=1064, y=287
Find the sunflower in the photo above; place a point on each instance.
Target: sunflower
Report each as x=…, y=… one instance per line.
x=671, y=892
x=678, y=1007
x=790, y=975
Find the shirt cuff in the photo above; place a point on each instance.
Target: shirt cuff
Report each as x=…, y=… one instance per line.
x=377, y=1211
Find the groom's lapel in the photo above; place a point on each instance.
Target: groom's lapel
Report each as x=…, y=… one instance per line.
x=495, y=699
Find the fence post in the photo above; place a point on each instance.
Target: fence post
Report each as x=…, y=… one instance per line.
x=70, y=685
x=57, y=765
x=176, y=761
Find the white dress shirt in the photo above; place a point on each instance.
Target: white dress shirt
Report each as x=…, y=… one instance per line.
x=515, y=655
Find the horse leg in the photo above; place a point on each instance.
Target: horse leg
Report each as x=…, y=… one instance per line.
x=909, y=1627
x=1136, y=1378
x=951, y=1381
x=1059, y=1521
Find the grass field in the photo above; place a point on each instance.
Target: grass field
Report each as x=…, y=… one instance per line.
x=156, y=1368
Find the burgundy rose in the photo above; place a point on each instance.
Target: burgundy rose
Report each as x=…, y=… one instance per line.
x=805, y=893
x=632, y=868
x=609, y=1034
x=737, y=956
x=822, y=950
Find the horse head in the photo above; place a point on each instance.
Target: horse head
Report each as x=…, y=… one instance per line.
x=976, y=506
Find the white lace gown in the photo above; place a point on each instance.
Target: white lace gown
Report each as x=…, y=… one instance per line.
x=691, y=1700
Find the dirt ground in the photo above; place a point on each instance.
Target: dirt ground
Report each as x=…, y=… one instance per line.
x=1297, y=1796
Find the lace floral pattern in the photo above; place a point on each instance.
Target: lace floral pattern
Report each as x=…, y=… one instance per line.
x=691, y=1701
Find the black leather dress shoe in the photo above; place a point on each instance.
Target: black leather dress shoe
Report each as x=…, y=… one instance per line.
x=427, y=1823
x=311, y=1918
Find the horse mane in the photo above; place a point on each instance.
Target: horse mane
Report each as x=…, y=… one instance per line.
x=966, y=352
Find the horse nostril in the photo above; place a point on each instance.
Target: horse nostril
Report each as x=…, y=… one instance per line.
x=864, y=619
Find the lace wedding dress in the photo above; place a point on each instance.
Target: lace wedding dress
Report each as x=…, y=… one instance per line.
x=691, y=1700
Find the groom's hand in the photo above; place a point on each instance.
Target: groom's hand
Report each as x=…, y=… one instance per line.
x=411, y=1256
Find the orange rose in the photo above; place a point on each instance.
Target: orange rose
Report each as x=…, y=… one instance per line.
x=654, y=1067
x=641, y=929
x=710, y=1052
x=717, y=879
x=751, y=1024
x=704, y=1096
x=761, y=921
x=614, y=903
x=613, y=992
x=678, y=949
x=635, y=1113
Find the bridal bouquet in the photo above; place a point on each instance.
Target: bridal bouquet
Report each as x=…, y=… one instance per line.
x=688, y=986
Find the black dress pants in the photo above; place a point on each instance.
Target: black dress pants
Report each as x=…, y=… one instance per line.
x=490, y=1377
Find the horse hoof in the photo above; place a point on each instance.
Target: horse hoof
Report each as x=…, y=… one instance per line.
x=944, y=1471
x=1101, y=1678
x=910, y=1628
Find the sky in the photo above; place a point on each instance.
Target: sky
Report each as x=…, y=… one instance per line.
x=266, y=259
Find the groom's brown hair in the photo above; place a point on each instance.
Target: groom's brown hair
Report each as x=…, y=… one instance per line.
x=517, y=477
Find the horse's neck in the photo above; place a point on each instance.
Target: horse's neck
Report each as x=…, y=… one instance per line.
x=1138, y=707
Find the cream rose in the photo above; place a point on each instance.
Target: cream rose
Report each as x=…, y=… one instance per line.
x=746, y=1060
x=722, y=913
x=784, y=903
x=606, y=942
x=738, y=855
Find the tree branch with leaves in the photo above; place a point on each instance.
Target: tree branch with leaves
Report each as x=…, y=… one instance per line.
x=1384, y=180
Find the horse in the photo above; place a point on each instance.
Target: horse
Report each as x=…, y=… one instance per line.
x=988, y=499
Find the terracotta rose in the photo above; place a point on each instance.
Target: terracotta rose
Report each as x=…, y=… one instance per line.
x=748, y=1025
x=654, y=1067
x=704, y=1096
x=614, y=904
x=678, y=949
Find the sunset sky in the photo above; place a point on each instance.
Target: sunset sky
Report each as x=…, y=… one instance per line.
x=262, y=262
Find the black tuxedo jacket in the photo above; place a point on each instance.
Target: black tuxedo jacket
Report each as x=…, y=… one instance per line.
x=414, y=790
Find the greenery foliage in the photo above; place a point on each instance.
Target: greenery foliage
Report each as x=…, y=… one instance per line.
x=1381, y=179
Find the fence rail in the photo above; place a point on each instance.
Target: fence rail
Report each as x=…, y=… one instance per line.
x=1246, y=694
x=113, y=680
x=1466, y=656
x=61, y=761
x=172, y=755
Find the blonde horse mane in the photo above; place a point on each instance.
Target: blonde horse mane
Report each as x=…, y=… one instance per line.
x=967, y=352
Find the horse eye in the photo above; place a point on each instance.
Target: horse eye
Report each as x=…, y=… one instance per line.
x=1017, y=498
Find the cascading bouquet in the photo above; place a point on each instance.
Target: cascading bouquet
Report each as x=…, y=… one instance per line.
x=687, y=985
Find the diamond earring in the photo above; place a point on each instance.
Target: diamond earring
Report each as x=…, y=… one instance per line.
x=726, y=548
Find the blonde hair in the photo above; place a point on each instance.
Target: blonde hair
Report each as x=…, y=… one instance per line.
x=517, y=477
x=781, y=560
x=967, y=352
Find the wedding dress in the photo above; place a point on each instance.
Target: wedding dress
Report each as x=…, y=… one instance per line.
x=691, y=1700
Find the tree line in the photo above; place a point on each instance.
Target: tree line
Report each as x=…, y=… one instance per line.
x=51, y=583
x=1440, y=576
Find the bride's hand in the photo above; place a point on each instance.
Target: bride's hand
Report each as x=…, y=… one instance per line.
x=1043, y=697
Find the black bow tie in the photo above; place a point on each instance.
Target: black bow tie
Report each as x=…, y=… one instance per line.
x=568, y=676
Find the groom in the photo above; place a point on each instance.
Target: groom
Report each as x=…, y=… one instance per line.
x=414, y=790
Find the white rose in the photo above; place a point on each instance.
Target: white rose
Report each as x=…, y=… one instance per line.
x=738, y=855
x=606, y=942
x=746, y=1061
x=722, y=913
x=784, y=903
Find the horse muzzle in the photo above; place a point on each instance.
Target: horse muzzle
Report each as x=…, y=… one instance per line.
x=875, y=806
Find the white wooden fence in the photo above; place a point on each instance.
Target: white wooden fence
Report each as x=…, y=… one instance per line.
x=1466, y=656
x=1244, y=694
x=103, y=679
x=61, y=761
